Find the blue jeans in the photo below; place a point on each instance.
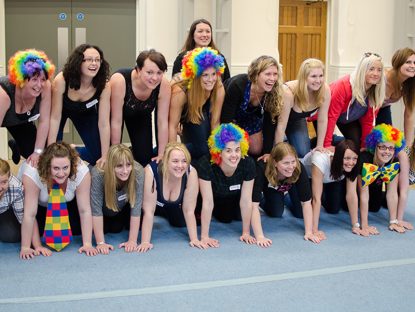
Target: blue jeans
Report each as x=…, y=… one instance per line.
x=297, y=135
x=87, y=127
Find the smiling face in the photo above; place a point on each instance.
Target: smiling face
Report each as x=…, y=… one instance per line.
x=407, y=69
x=60, y=169
x=349, y=160
x=202, y=35
x=208, y=79
x=150, y=74
x=177, y=164
x=91, y=63
x=384, y=152
x=231, y=155
x=373, y=74
x=123, y=170
x=315, y=79
x=4, y=184
x=267, y=79
x=34, y=85
x=286, y=166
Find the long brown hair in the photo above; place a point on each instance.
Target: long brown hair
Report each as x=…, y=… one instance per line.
x=408, y=86
x=190, y=43
x=278, y=152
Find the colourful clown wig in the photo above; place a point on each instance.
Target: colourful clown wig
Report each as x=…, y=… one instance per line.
x=385, y=133
x=223, y=134
x=196, y=61
x=25, y=64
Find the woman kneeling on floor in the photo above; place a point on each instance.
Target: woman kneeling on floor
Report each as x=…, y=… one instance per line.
x=378, y=180
x=116, y=198
x=170, y=190
x=49, y=200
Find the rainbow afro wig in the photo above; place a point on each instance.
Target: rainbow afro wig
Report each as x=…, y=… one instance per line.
x=385, y=133
x=28, y=63
x=223, y=134
x=198, y=60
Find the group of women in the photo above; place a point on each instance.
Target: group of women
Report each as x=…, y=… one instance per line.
x=244, y=145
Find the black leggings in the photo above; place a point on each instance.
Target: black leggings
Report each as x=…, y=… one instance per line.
x=377, y=198
x=334, y=196
x=351, y=131
x=25, y=137
x=384, y=116
x=274, y=203
x=140, y=131
x=9, y=227
x=119, y=221
x=73, y=213
x=173, y=213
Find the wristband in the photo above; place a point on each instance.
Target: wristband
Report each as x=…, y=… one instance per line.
x=100, y=243
x=394, y=221
x=356, y=225
x=38, y=150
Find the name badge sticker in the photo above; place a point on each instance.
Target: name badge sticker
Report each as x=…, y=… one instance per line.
x=122, y=197
x=92, y=103
x=33, y=118
x=235, y=187
x=159, y=204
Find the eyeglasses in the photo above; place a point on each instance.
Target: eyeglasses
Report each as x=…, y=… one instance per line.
x=350, y=158
x=90, y=60
x=384, y=148
x=367, y=54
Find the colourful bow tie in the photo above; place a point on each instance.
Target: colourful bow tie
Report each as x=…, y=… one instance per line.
x=57, y=234
x=371, y=172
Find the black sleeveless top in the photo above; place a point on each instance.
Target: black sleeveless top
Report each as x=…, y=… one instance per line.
x=80, y=107
x=133, y=106
x=11, y=118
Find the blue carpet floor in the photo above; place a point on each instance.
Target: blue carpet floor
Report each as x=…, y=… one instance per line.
x=344, y=273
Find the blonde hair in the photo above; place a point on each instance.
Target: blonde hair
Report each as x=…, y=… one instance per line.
x=279, y=151
x=166, y=156
x=301, y=93
x=273, y=99
x=118, y=154
x=196, y=97
x=4, y=167
x=376, y=93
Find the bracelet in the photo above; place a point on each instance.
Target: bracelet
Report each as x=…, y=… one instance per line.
x=356, y=225
x=38, y=150
x=394, y=221
x=100, y=243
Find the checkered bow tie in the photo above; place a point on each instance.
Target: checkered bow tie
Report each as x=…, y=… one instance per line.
x=57, y=234
x=371, y=172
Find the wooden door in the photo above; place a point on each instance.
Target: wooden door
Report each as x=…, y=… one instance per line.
x=301, y=34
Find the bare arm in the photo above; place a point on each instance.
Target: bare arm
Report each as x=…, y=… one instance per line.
x=207, y=208
x=216, y=108
x=317, y=187
x=246, y=205
x=189, y=205
x=43, y=126
x=30, y=209
x=83, y=192
x=178, y=99
x=104, y=122
x=408, y=124
x=322, y=117
x=5, y=104
x=149, y=206
x=163, y=105
x=117, y=83
x=288, y=100
x=58, y=88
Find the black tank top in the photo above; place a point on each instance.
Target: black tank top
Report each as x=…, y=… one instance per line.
x=11, y=118
x=80, y=107
x=132, y=105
